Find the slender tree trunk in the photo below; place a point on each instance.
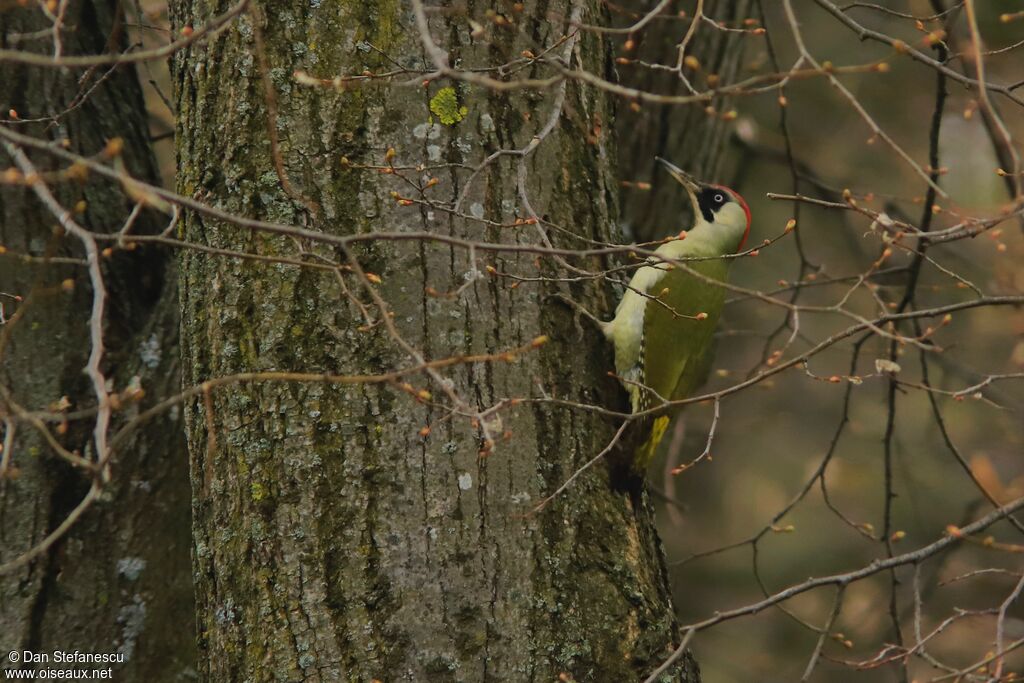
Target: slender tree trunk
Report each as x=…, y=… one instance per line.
x=334, y=539
x=119, y=581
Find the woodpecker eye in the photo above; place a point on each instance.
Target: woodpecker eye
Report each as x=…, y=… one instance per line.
x=710, y=199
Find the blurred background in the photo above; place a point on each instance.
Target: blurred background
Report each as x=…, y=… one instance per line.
x=770, y=440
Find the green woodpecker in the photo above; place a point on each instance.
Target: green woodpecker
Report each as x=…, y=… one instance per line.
x=663, y=329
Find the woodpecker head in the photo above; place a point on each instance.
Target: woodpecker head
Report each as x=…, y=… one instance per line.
x=716, y=208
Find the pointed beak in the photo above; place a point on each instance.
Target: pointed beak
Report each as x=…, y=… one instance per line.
x=684, y=178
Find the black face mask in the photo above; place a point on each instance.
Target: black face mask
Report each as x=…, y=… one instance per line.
x=710, y=200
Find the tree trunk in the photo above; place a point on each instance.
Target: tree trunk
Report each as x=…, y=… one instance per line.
x=119, y=581
x=689, y=136
x=333, y=540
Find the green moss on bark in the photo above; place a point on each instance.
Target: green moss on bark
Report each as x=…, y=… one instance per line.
x=349, y=547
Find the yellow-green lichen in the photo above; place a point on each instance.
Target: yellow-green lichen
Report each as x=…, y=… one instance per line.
x=445, y=106
x=258, y=492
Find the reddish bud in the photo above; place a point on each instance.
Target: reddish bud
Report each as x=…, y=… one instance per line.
x=114, y=147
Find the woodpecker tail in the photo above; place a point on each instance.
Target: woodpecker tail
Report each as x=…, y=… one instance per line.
x=645, y=453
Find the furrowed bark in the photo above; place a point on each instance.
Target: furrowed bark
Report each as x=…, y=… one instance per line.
x=333, y=541
x=119, y=581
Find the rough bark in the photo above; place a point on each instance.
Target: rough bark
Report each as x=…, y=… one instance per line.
x=120, y=580
x=332, y=541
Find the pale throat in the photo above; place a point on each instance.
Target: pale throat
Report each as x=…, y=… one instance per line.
x=718, y=239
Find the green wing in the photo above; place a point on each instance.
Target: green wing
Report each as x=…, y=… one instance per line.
x=677, y=350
